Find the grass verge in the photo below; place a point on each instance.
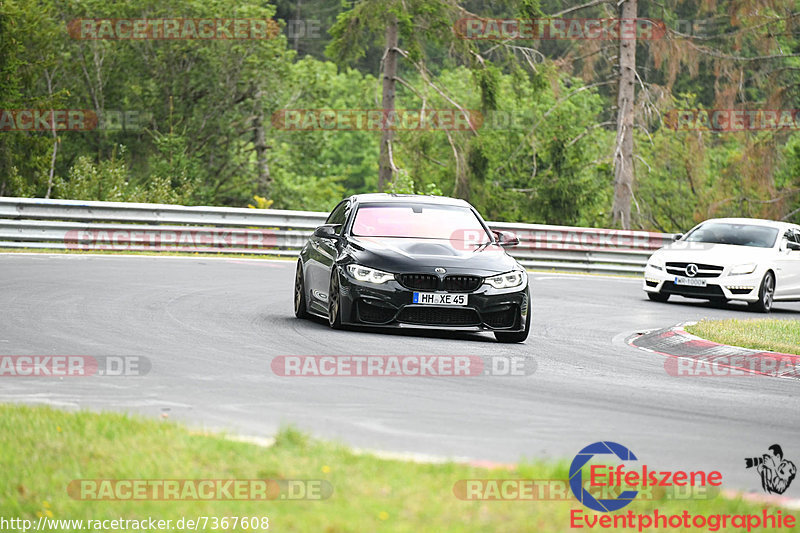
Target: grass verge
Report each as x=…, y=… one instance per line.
x=42, y=450
x=760, y=334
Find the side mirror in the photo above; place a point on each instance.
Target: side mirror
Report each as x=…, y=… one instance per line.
x=677, y=237
x=506, y=238
x=328, y=231
x=795, y=246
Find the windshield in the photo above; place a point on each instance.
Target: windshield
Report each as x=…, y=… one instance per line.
x=735, y=234
x=419, y=221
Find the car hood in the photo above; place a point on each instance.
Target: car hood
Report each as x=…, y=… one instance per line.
x=712, y=254
x=402, y=255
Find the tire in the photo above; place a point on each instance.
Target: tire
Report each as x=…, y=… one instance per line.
x=766, y=295
x=658, y=297
x=300, y=307
x=334, y=301
x=516, y=336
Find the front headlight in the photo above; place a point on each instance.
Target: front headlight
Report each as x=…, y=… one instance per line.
x=658, y=264
x=370, y=275
x=507, y=280
x=749, y=268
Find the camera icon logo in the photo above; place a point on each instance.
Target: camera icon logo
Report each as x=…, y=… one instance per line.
x=776, y=472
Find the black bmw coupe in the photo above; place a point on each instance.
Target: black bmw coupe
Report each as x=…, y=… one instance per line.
x=412, y=261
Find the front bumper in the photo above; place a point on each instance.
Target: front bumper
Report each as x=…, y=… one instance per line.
x=390, y=305
x=739, y=287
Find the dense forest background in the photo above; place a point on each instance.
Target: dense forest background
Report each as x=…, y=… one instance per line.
x=199, y=130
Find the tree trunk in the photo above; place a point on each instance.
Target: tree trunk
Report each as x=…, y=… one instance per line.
x=50, y=176
x=260, y=144
x=295, y=24
x=623, y=150
x=52, y=162
x=386, y=165
x=461, y=189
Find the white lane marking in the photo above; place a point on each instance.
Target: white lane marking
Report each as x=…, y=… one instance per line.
x=584, y=276
x=264, y=442
x=414, y=457
x=620, y=338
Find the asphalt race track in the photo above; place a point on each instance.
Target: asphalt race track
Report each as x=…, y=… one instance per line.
x=210, y=328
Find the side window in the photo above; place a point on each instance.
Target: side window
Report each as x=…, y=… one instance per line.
x=791, y=236
x=338, y=215
x=348, y=208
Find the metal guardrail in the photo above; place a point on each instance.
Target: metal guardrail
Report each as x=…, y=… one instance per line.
x=36, y=223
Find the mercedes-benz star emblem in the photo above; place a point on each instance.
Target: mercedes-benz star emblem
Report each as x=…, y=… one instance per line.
x=439, y=270
x=691, y=270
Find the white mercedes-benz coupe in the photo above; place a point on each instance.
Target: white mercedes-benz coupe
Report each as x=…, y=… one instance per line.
x=722, y=259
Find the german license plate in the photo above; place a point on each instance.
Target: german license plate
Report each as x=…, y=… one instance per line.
x=690, y=282
x=437, y=298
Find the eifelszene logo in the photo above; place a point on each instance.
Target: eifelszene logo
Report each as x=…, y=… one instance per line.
x=619, y=477
x=776, y=472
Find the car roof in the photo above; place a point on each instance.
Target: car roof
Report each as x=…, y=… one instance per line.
x=406, y=198
x=752, y=221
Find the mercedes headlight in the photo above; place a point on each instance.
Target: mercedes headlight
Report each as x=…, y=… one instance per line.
x=370, y=275
x=749, y=268
x=515, y=278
